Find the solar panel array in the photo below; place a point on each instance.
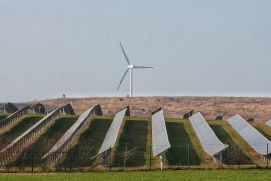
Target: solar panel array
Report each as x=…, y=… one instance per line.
x=73, y=130
x=113, y=132
x=209, y=141
x=25, y=139
x=38, y=124
x=160, y=142
x=254, y=138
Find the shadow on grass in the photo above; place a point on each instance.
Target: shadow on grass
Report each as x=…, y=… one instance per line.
x=181, y=143
x=132, y=143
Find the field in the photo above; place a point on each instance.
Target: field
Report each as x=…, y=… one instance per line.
x=166, y=175
x=174, y=107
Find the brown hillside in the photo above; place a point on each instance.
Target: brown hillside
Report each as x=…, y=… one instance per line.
x=174, y=107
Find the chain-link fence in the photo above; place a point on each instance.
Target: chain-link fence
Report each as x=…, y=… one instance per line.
x=126, y=158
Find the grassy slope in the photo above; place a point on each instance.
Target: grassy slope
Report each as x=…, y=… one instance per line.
x=225, y=138
x=88, y=143
x=3, y=116
x=17, y=130
x=46, y=141
x=180, y=141
x=134, y=136
x=236, y=138
x=215, y=175
x=206, y=160
x=264, y=129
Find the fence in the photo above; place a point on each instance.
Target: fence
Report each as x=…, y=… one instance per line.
x=132, y=158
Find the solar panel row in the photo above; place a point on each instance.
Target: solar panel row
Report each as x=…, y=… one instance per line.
x=254, y=138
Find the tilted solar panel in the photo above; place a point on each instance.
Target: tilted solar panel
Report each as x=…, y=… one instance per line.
x=113, y=132
x=160, y=142
x=209, y=141
x=254, y=138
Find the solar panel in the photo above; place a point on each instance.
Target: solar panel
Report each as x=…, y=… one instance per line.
x=254, y=138
x=113, y=132
x=160, y=142
x=73, y=129
x=209, y=141
x=268, y=123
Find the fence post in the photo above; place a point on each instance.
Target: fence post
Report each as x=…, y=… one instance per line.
x=267, y=157
x=32, y=161
x=229, y=156
x=70, y=161
x=110, y=163
x=150, y=157
x=188, y=155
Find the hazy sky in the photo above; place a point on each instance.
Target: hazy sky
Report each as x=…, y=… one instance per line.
x=209, y=47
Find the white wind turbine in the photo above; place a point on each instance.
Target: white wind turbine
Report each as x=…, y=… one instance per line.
x=130, y=69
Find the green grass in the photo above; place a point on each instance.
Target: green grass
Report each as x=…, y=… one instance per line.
x=182, y=151
x=88, y=144
x=3, y=116
x=264, y=129
x=227, y=175
x=133, y=140
x=17, y=130
x=232, y=157
x=45, y=142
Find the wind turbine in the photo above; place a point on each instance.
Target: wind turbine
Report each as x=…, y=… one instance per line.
x=130, y=69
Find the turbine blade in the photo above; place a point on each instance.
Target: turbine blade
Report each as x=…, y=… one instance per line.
x=142, y=67
x=122, y=78
x=126, y=58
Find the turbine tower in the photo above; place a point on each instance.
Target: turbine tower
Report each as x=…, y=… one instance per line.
x=129, y=69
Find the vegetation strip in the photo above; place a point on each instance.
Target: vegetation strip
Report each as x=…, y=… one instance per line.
x=240, y=175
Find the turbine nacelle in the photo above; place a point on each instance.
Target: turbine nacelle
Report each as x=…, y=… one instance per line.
x=131, y=66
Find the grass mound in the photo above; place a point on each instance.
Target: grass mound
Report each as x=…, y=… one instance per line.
x=88, y=144
x=132, y=144
x=235, y=155
x=182, y=151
